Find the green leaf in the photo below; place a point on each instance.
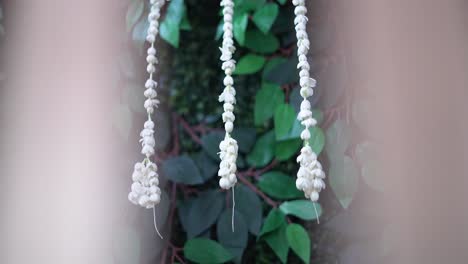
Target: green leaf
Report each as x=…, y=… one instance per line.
x=338, y=138
x=344, y=179
x=176, y=11
x=210, y=144
x=208, y=167
x=248, y=5
x=206, y=251
x=234, y=241
x=303, y=209
x=169, y=31
x=317, y=139
x=285, y=149
x=265, y=17
x=259, y=42
x=299, y=241
x=263, y=150
x=266, y=100
x=279, y=185
x=182, y=169
x=201, y=212
x=273, y=221
x=134, y=12
x=270, y=64
x=240, y=26
x=282, y=1
x=278, y=242
x=284, y=120
x=248, y=203
x=283, y=72
x=245, y=137
x=185, y=22
x=249, y=64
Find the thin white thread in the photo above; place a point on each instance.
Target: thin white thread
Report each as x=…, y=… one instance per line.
x=155, y=225
x=233, y=207
x=316, y=213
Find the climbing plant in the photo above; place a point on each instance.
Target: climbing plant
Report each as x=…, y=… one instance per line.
x=274, y=223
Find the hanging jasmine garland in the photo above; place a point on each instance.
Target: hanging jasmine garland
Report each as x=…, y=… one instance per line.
x=145, y=191
x=310, y=175
x=228, y=147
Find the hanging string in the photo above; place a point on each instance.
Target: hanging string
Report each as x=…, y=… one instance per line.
x=155, y=224
x=316, y=213
x=233, y=207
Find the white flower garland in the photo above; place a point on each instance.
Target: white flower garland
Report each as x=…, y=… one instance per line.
x=310, y=175
x=145, y=191
x=228, y=147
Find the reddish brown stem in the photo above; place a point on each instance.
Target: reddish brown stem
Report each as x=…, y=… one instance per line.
x=257, y=191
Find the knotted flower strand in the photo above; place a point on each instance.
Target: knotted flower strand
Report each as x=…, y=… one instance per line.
x=228, y=146
x=310, y=177
x=145, y=190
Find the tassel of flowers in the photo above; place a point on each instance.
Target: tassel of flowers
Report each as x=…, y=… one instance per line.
x=310, y=177
x=228, y=146
x=145, y=189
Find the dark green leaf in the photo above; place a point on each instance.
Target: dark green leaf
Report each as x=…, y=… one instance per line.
x=245, y=137
x=204, y=212
x=299, y=241
x=278, y=242
x=285, y=149
x=249, y=5
x=266, y=100
x=210, y=143
x=279, y=185
x=208, y=167
x=273, y=221
x=284, y=120
x=234, y=241
x=303, y=209
x=282, y=1
x=134, y=12
x=248, y=203
x=284, y=73
x=270, y=65
x=185, y=22
x=260, y=42
x=182, y=169
x=265, y=17
x=344, y=178
x=263, y=150
x=240, y=26
x=249, y=64
x=206, y=251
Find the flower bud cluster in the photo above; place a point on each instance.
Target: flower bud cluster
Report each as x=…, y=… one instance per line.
x=310, y=175
x=145, y=191
x=228, y=147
